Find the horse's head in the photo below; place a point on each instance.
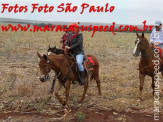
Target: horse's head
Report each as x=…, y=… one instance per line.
x=45, y=67
x=54, y=50
x=140, y=45
x=51, y=50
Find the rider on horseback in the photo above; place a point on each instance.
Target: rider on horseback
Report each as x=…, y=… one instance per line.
x=75, y=45
x=156, y=37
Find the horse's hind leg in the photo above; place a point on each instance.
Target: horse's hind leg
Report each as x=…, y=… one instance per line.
x=58, y=87
x=96, y=77
x=67, y=92
x=141, y=77
x=85, y=90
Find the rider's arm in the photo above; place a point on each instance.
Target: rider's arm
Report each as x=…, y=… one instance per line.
x=80, y=40
x=152, y=37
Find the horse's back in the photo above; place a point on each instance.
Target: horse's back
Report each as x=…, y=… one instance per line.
x=96, y=62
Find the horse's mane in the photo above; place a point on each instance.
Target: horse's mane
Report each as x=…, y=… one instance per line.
x=55, y=50
x=53, y=55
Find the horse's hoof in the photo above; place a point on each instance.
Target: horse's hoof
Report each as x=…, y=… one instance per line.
x=73, y=82
x=66, y=114
x=67, y=109
x=64, y=103
x=138, y=102
x=51, y=91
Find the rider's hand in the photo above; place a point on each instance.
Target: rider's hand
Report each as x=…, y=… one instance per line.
x=156, y=43
x=67, y=47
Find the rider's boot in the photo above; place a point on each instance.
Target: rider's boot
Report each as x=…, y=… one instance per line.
x=81, y=77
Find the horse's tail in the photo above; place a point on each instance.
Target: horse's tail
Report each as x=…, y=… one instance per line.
x=91, y=78
x=96, y=73
x=96, y=69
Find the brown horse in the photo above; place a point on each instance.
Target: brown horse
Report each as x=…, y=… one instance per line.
x=147, y=61
x=61, y=65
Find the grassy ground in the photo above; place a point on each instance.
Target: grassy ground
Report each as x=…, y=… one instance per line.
x=21, y=90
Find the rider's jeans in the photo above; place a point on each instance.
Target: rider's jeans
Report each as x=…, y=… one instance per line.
x=79, y=60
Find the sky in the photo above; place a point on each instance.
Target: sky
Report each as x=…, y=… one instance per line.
x=125, y=12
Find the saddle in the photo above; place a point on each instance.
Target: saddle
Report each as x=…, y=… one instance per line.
x=88, y=63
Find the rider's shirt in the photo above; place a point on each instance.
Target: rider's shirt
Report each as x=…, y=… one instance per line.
x=75, y=42
x=157, y=36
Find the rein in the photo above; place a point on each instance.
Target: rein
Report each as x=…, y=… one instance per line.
x=145, y=67
x=58, y=75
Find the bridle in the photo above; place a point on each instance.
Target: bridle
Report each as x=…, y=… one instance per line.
x=47, y=72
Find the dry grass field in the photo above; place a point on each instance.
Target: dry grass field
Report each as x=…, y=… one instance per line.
x=22, y=91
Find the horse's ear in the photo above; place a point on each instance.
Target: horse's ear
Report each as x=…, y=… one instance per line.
x=137, y=34
x=39, y=55
x=142, y=35
x=55, y=47
x=45, y=57
x=49, y=46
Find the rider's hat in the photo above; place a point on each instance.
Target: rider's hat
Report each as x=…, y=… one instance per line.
x=158, y=23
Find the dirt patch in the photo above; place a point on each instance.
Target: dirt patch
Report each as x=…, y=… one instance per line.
x=90, y=116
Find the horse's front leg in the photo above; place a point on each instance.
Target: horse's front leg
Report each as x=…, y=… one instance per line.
x=85, y=90
x=141, y=77
x=53, y=83
x=58, y=87
x=67, y=86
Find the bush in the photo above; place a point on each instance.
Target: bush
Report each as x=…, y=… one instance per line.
x=80, y=116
